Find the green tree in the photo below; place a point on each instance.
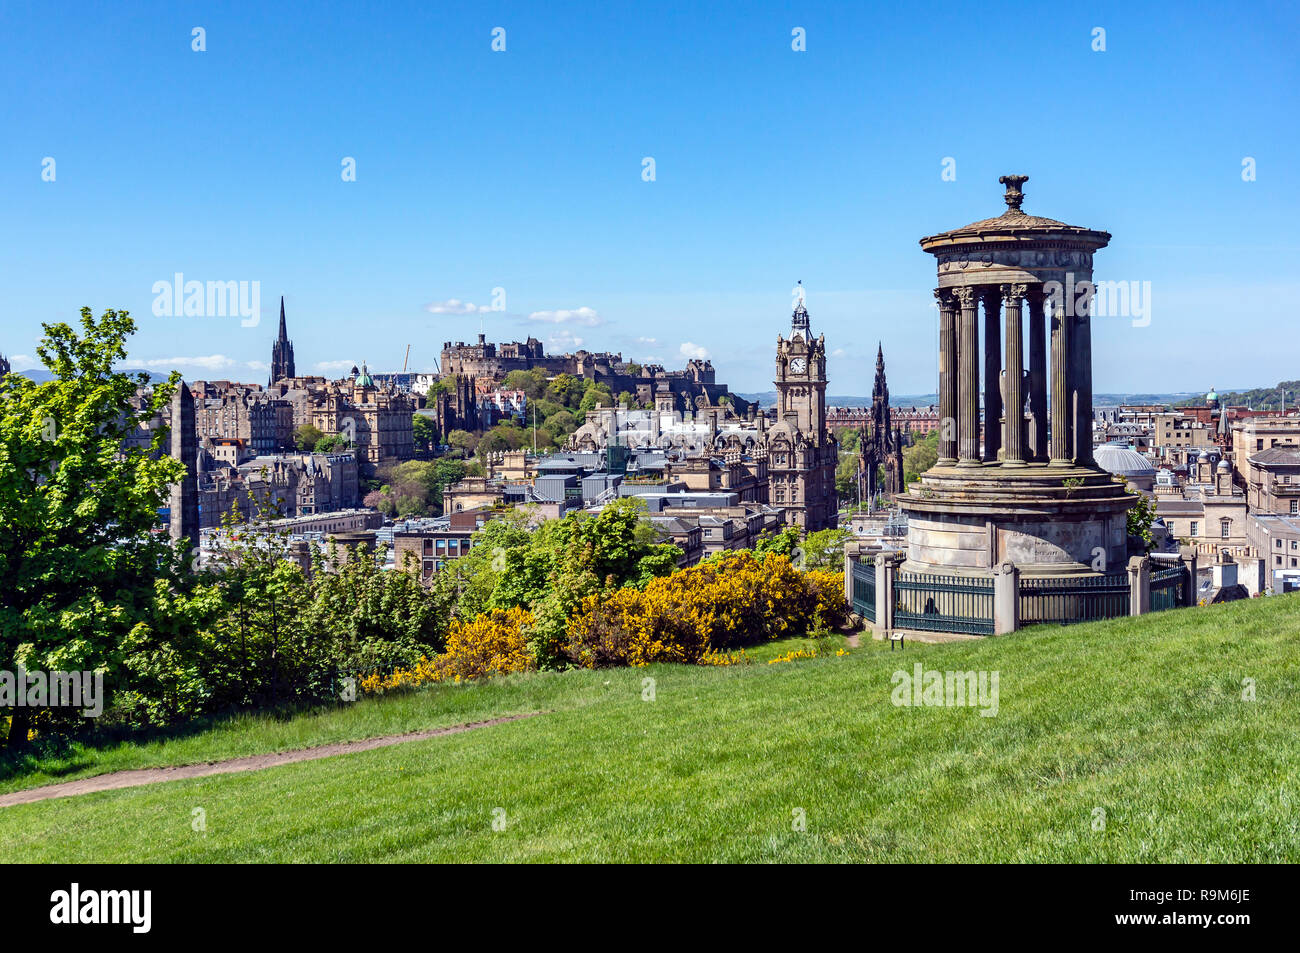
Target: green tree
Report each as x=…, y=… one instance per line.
x=1141, y=518
x=532, y=382
x=463, y=440
x=825, y=549
x=79, y=501
x=306, y=437
x=566, y=390
x=782, y=542
x=424, y=432
x=596, y=395
x=921, y=456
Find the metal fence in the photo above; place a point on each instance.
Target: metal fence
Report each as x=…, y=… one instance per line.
x=943, y=603
x=1167, y=588
x=1067, y=600
x=864, y=589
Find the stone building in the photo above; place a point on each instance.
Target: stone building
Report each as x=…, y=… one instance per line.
x=245, y=412
x=649, y=384
x=376, y=421
x=287, y=486
x=788, y=461
x=1273, y=480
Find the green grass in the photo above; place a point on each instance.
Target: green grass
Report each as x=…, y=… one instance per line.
x=1141, y=718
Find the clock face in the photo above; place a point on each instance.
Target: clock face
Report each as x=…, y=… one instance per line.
x=798, y=365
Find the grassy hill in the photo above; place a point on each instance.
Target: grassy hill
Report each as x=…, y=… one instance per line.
x=1142, y=719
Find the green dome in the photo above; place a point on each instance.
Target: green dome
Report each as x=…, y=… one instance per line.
x=1211, y=395
x=364, y=379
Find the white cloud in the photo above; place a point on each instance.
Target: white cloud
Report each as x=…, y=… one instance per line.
x=257, y=365
x=649, y=341
x=335, y=365
x=587, y=317
x=562, y=339
x=456, y=306
x=689, y=350
x=209, y=362
x=22, y=362
x=838, y=352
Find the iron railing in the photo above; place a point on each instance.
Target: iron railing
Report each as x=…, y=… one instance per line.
x=1167, y=588
x=935, y=603
x=864, y=589
x=1068, y=600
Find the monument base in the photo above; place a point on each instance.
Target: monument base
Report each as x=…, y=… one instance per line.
x=1048, y=520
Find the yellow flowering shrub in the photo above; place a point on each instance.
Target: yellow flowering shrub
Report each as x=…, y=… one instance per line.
x=494, y=643
x=736, y=599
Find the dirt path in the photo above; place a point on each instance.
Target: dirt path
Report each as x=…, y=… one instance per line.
x=139, y=776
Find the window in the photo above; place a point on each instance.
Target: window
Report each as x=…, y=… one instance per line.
x=1277, y=543
x=1193, y=531
x=1259, y=444
x=1279, y=560
x=1225, y=528
x=1295, y=507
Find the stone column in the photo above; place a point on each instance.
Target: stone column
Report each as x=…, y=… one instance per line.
x=968, y=381
x=992, y=373
x=1081, y=345
x=1139, y=585
x=947, y=379
x=1060, y=384
x=1013, y=452
x=1188, y=556
x=1038, y=374
x=1006, y=598
x=884, y=621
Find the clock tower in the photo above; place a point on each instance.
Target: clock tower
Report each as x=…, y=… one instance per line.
x=801, y=378
x=802, y=454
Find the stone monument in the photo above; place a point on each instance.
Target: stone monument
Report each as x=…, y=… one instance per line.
x=1029, y=490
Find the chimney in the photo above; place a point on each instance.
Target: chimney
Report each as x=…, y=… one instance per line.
x=1224, y=571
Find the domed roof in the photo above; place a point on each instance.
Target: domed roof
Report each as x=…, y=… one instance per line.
x=1223, y=464
x=1121, y=461
x=1211, y=395
x=1015, y=220
x=364, y=379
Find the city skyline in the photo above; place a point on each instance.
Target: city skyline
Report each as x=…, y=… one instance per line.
x=228, y=164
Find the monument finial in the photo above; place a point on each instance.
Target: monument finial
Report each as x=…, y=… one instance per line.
x=1014, y=196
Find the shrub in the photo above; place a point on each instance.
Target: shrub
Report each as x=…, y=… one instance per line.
x=731, y=600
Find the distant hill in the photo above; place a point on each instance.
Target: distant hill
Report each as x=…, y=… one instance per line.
x=1257, y=398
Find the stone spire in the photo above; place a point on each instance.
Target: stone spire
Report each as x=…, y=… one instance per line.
x=799, y=320
x=282, y=352
x=184, y=496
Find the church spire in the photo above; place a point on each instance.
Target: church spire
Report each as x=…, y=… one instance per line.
x=282, y=352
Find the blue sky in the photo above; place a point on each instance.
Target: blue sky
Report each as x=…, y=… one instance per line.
x=522, y=170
